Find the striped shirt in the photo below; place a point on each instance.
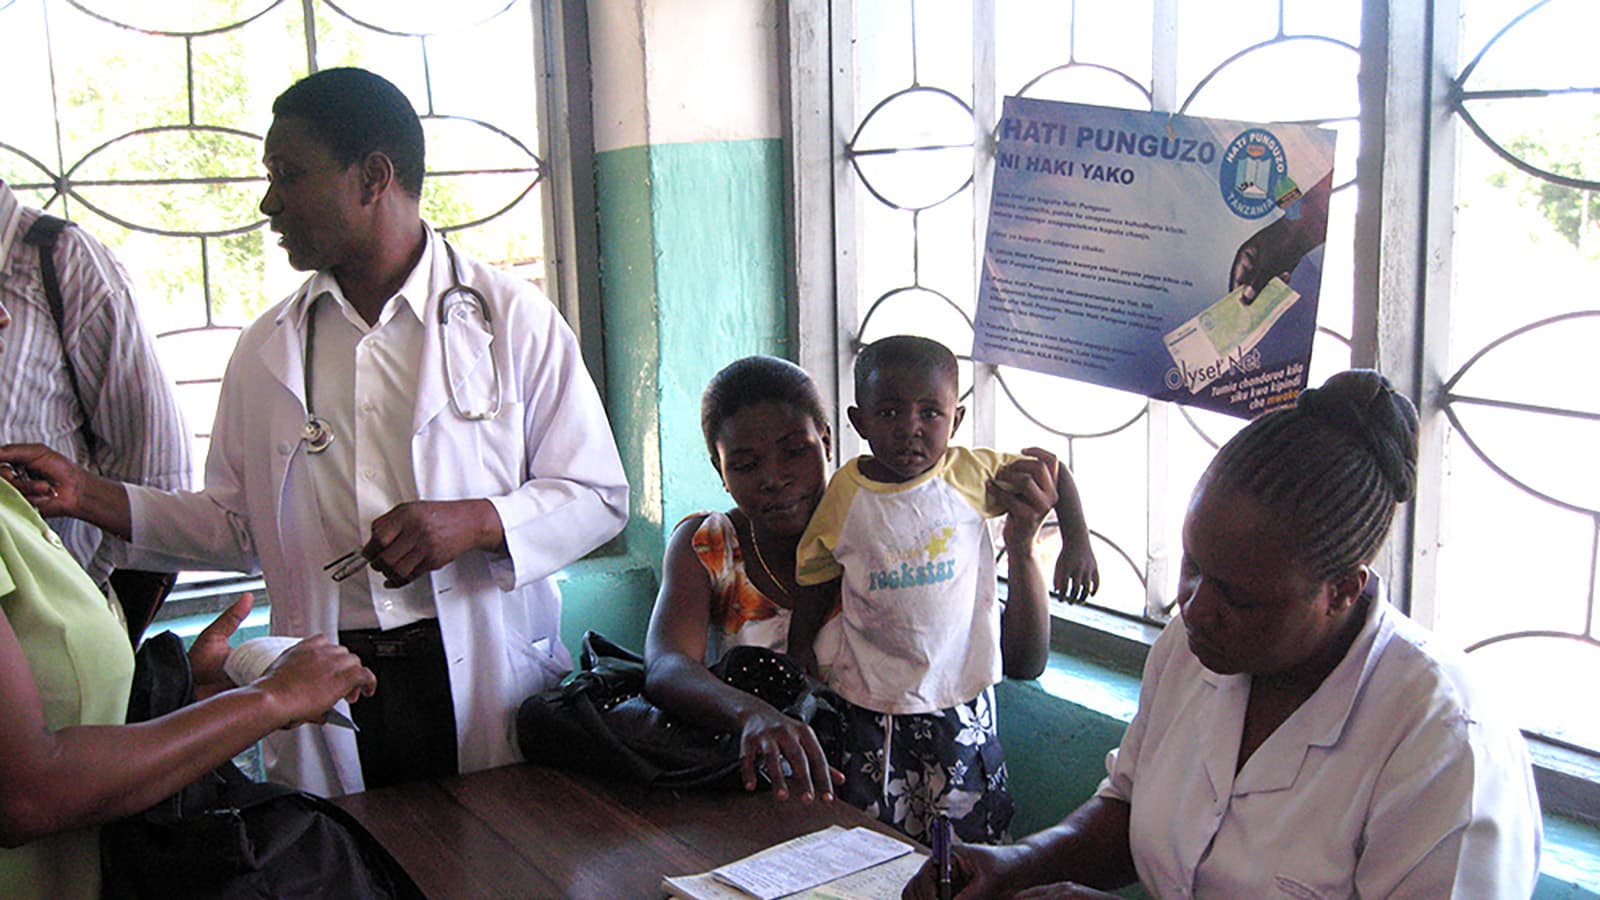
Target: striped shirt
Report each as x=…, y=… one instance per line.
x=139, y=433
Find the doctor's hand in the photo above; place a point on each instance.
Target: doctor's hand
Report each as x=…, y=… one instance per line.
x=417, y=537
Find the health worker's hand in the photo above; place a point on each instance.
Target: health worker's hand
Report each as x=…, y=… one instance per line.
x=50, y=481
x=976, y=872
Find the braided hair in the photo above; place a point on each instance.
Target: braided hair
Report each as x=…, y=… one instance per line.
x=1333, y=467
x=752, y=380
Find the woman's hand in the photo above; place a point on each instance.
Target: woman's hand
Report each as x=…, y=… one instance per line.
x=976, y=872
x=1026, y=489
x=210, y=650
x=310, y=677
x=50, y=481
x=56, y=486
x=768, y=740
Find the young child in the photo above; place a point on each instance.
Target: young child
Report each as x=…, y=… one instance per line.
x=921, y=630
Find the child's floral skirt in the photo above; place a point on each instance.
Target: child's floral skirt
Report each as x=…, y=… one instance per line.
x=904, y=769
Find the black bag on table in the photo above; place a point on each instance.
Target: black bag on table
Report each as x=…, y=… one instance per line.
x=600, y=723
x=225, y=836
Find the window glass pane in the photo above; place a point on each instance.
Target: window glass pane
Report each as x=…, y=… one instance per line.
x=151, y=122
x=1521, y=494
x=1552, y=47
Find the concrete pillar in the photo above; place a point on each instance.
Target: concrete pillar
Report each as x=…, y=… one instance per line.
x=689, y=185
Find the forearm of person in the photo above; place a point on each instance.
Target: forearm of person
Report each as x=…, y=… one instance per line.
x=547, y=523
x=87, y=775
x=685, y=687
x=809, y=611
x=1069, y=508
x=104, y=503
x=1090, y=846
x=1025, y=619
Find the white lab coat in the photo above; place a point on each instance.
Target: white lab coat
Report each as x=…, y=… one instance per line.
x=547, y=462
x=1397, y=778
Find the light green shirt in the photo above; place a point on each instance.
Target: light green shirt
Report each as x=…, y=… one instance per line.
x=83, y=666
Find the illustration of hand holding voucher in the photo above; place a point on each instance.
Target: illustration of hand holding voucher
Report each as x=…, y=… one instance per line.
x=1220, y=338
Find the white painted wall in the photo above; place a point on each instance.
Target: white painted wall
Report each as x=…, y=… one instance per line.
x=684, y=71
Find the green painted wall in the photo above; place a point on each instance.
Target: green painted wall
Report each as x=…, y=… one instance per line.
x=628, y=301
x=692, y=277
x=721, y=268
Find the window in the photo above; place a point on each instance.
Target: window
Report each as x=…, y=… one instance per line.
x=1518, y=488
x=1499, y=552
x=143, y=123
x=918, y=84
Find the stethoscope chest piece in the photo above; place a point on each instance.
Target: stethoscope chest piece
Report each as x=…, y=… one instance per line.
x=316, y=434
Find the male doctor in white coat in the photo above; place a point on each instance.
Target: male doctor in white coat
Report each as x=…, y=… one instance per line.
x=337, y=431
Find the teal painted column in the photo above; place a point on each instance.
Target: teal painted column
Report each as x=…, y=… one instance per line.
x=692, y=277
x=690, y=193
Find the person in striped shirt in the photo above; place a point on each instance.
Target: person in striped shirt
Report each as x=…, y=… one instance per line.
x=127, y=425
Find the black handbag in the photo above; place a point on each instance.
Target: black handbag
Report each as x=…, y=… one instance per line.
x=225, y=836
x=600, y=723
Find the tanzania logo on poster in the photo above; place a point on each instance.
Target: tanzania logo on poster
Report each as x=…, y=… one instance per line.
x=1172, y=256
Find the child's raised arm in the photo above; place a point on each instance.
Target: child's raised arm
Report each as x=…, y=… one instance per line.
x=1077, y=573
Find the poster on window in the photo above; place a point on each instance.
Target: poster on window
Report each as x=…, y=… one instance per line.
x=1173, y=256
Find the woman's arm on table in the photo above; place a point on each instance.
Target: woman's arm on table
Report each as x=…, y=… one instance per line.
x=677, y=680
x=75, y=777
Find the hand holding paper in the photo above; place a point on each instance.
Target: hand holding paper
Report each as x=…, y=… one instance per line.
x=256, y=658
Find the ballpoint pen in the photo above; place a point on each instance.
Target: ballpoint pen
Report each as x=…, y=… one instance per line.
x=941, y=855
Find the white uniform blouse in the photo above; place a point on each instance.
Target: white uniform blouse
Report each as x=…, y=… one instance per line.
x=547, y=462
x=1396, y=779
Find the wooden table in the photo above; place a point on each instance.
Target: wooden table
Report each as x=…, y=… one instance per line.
x=529, y=831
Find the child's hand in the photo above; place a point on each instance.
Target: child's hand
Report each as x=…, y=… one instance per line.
x=1077, y=573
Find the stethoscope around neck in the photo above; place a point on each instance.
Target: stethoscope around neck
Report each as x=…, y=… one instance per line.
x=316, y=434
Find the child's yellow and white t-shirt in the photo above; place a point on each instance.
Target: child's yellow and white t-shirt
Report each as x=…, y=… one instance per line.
x=920, y=621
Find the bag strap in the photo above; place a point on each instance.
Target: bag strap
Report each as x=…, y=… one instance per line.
x=43, y=234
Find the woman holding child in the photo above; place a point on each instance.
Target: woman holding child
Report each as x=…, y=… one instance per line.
x=1296, y=735
x=734, y=574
